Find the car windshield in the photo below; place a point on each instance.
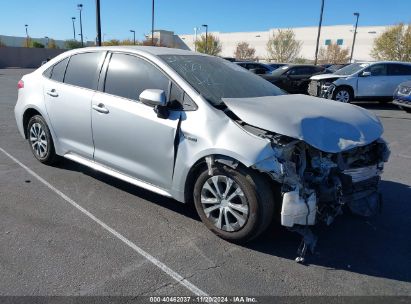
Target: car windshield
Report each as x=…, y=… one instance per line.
x=351, y=69
x=281, y=70
x=215, y=78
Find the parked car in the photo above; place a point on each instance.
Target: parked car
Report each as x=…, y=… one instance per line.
x=256, y=67
x=335, y=67
x=294, y=78
x=276, y=65
x=200, y=129
x=231, y=59
x=361, y=81
x=402, y=96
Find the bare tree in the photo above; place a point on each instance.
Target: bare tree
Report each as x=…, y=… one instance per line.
x=283, y=47
x=243, y=51
x=393, y=44
x=213, y=45
x=333, y=54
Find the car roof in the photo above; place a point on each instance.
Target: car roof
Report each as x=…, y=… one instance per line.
x=152, y=50
x=291, y=65
x=250, y=62
x=378, y=62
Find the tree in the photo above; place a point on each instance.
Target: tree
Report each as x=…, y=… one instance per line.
x=72, y=44
x=52, y=44
x=393, y=44
x=111, y=42
x=2, y=44
x=27, y=42
x=213, y=45
x=243, y=51
x=114, y=42
x=36, y=44
x=334, y=54
x=301, y=60
x=283, y=47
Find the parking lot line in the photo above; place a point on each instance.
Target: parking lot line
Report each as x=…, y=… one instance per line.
x=177, y=277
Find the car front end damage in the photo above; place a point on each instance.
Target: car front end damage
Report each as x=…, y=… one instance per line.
x=321, y=88
x=316, y=185
x=326, y=156
x=324, y=87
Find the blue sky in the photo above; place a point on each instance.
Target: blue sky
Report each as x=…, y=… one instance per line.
x=53, y=17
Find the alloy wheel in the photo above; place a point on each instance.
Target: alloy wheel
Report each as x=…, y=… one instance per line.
x=224, y=203
x=343, y=96
x=38, y=140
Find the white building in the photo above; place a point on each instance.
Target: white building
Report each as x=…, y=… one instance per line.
x=340, y=34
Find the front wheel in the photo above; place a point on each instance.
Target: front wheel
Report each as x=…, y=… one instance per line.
x=343, y=95
x=39, y=138
x=235, y=204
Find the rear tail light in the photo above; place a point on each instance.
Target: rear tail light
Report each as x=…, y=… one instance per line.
x=20, y=84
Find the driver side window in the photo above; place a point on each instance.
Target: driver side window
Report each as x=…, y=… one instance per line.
x=128, y=76
x=377, y=70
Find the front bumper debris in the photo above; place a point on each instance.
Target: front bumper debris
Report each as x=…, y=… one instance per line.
x=317, y=185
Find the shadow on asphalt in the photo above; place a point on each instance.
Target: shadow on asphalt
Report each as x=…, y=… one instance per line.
x=379, y=246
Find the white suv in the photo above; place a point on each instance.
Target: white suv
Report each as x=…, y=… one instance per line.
x=361, y=81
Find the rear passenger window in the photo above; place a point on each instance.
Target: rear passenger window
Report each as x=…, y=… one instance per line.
x=127, y=76
x=399, y=69
x=83, y=69
x=57, y=73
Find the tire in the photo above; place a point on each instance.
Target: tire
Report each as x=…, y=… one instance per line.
x=40, y=140
x=343, y=94
x=257, y=196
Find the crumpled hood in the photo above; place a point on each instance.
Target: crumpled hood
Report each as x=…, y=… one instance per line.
x=327, y=76
x=329, y=126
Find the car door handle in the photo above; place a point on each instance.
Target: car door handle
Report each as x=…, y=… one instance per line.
x=100, y=108
x=52, y=93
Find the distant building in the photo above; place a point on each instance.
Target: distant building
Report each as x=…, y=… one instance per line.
x=340, y=34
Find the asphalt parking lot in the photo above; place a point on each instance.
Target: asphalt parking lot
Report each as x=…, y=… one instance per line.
x=50, y=247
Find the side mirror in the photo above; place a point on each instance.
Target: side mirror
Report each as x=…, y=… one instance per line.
x=365, y=74
x=156, y=99
x=153, y=98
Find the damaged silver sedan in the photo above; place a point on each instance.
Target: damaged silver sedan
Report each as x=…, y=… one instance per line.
x=201, y=129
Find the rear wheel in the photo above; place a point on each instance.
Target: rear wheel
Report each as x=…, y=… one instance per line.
x=39, y=138
x=235, y=204
x=343, y=95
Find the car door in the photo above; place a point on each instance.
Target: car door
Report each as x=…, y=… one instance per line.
x=376, y=84
x=128, y=135
x=297, y=80
x=68, y=94
x=398, y=73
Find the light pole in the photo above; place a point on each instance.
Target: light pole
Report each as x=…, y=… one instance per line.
x=134, y=36
x=80, y=8
x=206, y=40
x=27, y=35
x=47, y=41
x=319, y=31
x=195, y=39
x=152, y=23
x=74, y=27
x=98, y=22
x=355, y=35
